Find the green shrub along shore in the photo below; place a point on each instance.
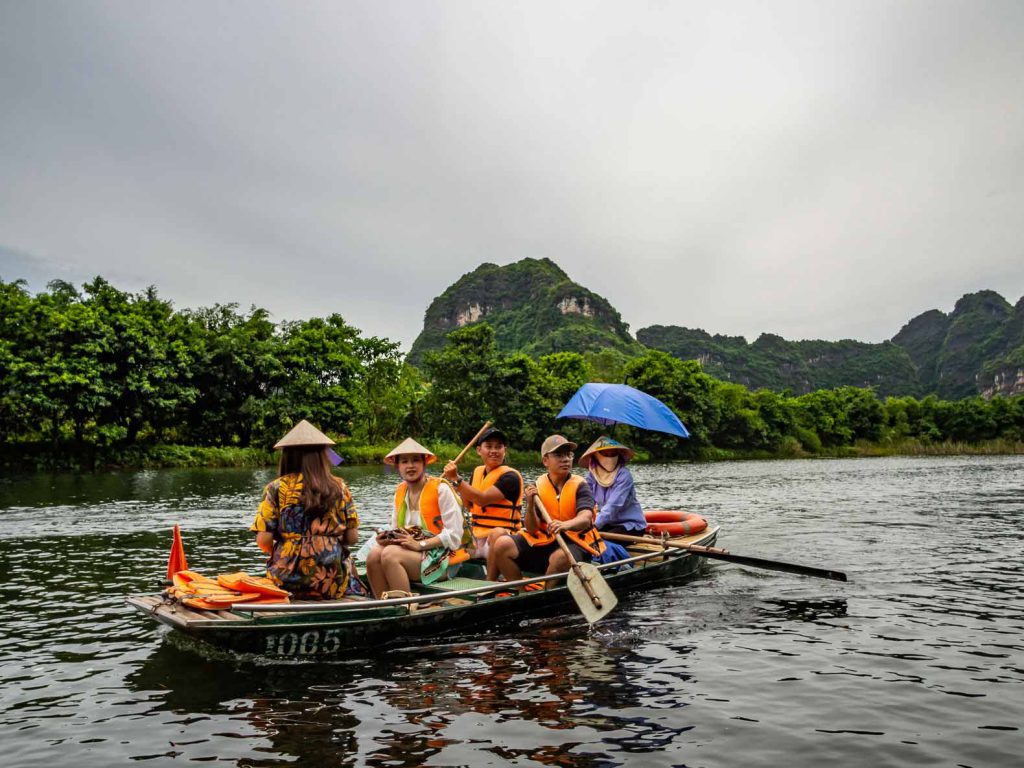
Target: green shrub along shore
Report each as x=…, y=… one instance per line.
x=39, y=458
x=103, y=378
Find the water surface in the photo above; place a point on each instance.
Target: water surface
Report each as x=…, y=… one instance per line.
x=918, y=660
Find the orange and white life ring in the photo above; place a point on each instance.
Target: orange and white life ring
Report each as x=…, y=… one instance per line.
x=674, y=523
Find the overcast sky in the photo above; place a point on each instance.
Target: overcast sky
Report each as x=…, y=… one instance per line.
x=812, y=169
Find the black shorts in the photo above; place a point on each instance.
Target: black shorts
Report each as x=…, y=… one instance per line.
x=535, y=559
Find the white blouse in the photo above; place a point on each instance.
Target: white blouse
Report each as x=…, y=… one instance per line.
x=451, y=516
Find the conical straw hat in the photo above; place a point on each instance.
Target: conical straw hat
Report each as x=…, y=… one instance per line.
x=303, y=433
x=605, y=443
x=410, y=446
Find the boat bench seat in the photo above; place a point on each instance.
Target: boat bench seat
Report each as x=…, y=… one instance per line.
x=459, y=582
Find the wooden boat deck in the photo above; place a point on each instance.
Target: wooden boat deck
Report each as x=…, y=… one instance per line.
x=178, y=616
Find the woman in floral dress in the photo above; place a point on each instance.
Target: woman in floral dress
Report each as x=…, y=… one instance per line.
x=307, y=521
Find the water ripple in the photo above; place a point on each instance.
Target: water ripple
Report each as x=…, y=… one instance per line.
x=917, y=660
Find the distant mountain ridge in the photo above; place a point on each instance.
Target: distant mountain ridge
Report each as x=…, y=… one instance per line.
x=772, y=362
x=533, y=307
x=978, y=348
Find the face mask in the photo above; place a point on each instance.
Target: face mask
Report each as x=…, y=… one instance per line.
x=608, y=462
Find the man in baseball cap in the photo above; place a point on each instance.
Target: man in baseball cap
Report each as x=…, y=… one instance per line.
x=494, y=495
x=569, y=503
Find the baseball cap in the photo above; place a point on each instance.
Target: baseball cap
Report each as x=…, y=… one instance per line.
x=493, y=434
x=553, y=443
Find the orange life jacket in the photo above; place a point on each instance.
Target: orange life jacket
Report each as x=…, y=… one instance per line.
x=430, y=513
x=498, y=514
x=562, y=506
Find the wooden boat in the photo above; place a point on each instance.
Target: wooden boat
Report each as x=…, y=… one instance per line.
x=318, y=628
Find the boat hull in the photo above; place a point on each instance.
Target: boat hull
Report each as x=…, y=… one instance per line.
x=327, y=632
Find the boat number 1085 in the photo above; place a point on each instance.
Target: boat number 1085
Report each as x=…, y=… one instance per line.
x=303, y=643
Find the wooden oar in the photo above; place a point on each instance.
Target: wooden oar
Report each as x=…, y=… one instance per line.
x=714, y=553
x=586, y=584
x=472, y=442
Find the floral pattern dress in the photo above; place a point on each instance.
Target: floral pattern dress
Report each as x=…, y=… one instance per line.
x=310, y=558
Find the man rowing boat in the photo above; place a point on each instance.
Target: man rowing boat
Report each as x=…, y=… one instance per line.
x=570, y=503
x=494, y=495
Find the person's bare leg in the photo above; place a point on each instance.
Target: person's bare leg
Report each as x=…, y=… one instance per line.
x=401, y=568
x=558, y=563
x=375, y=571
x=492, y=538
x=503, y=554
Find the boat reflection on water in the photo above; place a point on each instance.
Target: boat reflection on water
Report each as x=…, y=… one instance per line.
x=282, y=709
x=556, y=697
x=554, y=694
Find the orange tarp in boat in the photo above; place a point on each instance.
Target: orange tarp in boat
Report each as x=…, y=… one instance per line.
x=198, y=591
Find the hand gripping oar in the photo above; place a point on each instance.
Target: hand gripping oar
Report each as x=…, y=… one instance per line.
x=587, y=586
x=714, y=553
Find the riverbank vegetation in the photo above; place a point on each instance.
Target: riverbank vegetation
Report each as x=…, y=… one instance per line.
x=100, y=377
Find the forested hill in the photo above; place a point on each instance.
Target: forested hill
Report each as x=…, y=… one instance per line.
x=533, y=307
x=772, y=362
x=978, y=348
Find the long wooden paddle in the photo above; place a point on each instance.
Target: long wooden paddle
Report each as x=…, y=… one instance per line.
x=714, y=553
x=472, y=442
x=587, y=586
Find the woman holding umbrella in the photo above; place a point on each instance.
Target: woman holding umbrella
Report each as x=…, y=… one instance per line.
x=612, y=485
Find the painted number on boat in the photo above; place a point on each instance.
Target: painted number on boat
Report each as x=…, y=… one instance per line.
x=308, y=643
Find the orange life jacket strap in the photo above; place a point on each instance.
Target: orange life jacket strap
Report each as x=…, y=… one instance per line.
x=430, y=513
x=499, y=514
x=562, y=506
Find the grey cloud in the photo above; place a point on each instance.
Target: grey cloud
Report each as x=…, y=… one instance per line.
x=818, y=170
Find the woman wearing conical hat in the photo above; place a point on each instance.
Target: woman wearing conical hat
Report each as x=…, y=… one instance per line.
x=399, y=558
x=612, y=484
x=307, y=521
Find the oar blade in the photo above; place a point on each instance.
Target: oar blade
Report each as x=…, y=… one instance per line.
x=592, y=610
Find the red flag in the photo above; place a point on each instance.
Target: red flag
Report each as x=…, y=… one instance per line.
x=176, y=562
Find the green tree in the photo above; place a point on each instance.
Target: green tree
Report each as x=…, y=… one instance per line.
x=524, y=400
x=66, y=375
x=145, y=357
x=739, y=423
x=686, y=389
x=388, y=392
x=322, y=376
x=568, y=372
x=15, y=332
x=463, y=382
x=864, y=412
x=778, y=413
x=822, y=411
x=237, y=370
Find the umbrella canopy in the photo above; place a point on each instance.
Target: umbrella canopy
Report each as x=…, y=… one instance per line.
x=622, y=404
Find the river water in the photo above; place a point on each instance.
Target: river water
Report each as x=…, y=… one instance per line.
x=917, y=660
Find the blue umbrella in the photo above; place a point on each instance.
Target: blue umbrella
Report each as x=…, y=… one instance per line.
x=622, y=404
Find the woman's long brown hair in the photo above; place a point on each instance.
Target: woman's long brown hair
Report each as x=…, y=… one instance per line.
x=320, y=489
